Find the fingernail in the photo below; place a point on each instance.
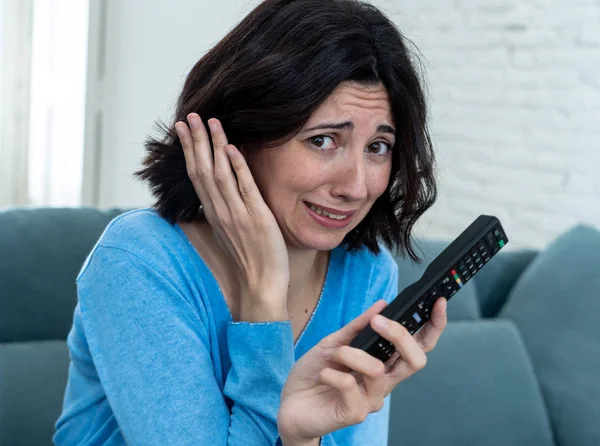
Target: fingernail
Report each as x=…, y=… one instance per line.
x=380, y=321
x=213, y=126
x=193, y=120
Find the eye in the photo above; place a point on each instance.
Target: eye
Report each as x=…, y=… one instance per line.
x=377, y=146
x=320, y=141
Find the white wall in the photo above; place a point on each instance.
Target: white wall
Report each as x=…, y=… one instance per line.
x=514, y=89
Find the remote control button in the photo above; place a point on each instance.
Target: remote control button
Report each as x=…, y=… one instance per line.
x=468, y=260
x=417, y=317
x=499, y=236
x=433, y=295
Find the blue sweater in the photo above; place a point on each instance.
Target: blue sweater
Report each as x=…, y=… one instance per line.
x=156, y=358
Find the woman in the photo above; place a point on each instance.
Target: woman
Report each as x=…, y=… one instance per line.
x=298, y=158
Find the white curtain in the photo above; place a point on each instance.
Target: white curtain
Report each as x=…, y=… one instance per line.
x=42, y=121
x=15, y=68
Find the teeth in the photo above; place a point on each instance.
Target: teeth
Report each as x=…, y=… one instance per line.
x=325, y=213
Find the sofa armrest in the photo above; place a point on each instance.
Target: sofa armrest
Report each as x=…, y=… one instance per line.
x=41, y=252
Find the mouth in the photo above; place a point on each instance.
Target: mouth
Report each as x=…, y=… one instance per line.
x=329, y=212
x=328, y=217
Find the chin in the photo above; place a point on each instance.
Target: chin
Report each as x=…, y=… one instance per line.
x=321, y=242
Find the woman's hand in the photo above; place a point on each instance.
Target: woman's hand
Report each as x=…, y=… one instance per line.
x=334, y=385
x=241, y=221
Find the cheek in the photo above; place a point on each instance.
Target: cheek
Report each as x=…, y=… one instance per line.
x=378, y=182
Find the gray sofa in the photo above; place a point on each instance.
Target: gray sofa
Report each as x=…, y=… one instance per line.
x=519, y=363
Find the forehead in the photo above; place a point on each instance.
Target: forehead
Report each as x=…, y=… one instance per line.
x=355, y=100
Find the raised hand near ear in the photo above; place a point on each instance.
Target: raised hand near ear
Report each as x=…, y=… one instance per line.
x=243, y=224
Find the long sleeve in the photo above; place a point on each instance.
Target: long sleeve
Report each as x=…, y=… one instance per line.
x=259, y=369
x=151, y=349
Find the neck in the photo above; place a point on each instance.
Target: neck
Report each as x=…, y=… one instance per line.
x=307, y=273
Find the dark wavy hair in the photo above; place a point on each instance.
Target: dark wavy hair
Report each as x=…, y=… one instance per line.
x=265, y=79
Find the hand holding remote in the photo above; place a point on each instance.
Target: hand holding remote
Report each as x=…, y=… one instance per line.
x=334, y=385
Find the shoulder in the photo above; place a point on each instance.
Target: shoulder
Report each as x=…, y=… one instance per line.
x=135, y=226
x=144, y=236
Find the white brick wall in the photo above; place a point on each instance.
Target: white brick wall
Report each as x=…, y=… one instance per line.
x=514, y=88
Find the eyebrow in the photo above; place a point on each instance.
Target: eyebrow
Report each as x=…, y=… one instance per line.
x=350, y=125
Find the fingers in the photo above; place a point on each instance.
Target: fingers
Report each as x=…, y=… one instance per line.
x=224, y=178
x=371, y=369
x=411, y=353
x=349, y=331
x=429, y=335
x=213, y=179
x=353, y=410
x=198, y=164
x=247, y=186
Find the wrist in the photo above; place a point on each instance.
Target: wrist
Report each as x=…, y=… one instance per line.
x=264, y=307
x=313, y=442
x=290, y=439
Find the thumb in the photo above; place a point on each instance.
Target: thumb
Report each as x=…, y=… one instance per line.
x=344, y=335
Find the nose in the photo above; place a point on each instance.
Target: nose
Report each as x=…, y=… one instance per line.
x=351, y=178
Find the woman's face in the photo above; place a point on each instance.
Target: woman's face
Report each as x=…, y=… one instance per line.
x=344, y=166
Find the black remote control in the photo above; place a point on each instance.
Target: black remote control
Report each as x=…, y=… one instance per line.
x=446, y=275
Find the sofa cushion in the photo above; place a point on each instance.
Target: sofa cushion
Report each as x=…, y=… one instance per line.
x=556, y=305
x=478, y=388
x=33, y=376
x=42, y=250
x=462, y=306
